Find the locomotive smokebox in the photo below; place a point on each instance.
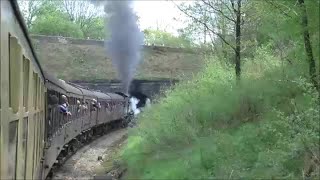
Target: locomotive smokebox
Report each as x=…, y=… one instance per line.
x=136, y=92
x=141, y=97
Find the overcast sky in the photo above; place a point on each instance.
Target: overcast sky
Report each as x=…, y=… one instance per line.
x=160, y=14
x=153, y=14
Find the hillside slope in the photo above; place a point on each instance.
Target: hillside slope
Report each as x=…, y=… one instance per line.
x=266, y=127
x=74, y=59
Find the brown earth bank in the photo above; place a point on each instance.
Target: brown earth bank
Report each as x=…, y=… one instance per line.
x=76, y=59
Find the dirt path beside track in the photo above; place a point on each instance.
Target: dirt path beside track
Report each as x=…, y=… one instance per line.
x=84, y=162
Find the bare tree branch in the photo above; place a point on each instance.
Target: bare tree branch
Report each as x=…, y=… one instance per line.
x=232, y=5
x=206, y=25
x=218, y=10
x=223, y=2
x=284, y=12
x=30, y=10
x=279, y=8
x=81, y=12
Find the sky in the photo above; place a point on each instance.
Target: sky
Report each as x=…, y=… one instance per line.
x=159, y=14
x=155, y=14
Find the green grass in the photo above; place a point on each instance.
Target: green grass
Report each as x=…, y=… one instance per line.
x=265, y=127
x=89, y=62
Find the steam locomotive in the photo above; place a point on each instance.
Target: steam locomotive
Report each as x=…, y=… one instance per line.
x=35, y=135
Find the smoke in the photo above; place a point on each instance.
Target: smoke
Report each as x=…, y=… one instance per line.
x=125, y=39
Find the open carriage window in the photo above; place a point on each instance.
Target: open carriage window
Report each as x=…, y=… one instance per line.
x=13, y=142
x=52, y=97
x=14, y=73
x=26, y=67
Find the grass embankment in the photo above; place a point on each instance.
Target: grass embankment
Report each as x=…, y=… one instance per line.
x=89, y=62
x=209, y=127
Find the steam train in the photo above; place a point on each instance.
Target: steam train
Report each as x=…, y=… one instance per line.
x=35, y=135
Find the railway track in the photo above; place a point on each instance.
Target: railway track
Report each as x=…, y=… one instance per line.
x=83, y=163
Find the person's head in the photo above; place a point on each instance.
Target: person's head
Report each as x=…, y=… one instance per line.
x=64, y=98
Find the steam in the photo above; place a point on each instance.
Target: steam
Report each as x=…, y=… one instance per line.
x=125, y=40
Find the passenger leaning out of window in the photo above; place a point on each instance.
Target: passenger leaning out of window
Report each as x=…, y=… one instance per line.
x=84, y=105
x=94, y=105
x=64, y=106
x=79, y=106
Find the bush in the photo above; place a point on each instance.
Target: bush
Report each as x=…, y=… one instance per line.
x=209, y=127
x=56, y=25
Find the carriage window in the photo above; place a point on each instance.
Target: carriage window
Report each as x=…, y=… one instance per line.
x=35, y=89
x=38, y=92
x=53, y=97
x=39, y=135
x=109, y=105
x=72, y=101
x=14, y=73
x=35, y=150
x=13, y=138
x=26, y=66
x=24, y=145
x=42, y=137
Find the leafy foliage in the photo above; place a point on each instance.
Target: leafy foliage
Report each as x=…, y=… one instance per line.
x=162, y=38
x=78, y=19
x=95, y=29
x=55, y=23
x=211, y=128
x=265, y=126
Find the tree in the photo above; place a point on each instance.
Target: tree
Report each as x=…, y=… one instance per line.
x=96, y=29
x=83, y=13
x=30, y=10
x=297, y=23
x=79, y=19
x=237, y=12
x=307, y=43
x=53, y=21
x=220, y=18
x=163, y=38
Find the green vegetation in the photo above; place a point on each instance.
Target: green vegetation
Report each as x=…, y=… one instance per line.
x=211, y=128
x=55, y=23
x=259, y=120
x=78, y=19
x=162, y=38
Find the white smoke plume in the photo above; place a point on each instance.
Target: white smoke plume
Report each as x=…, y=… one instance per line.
x=125, y=39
